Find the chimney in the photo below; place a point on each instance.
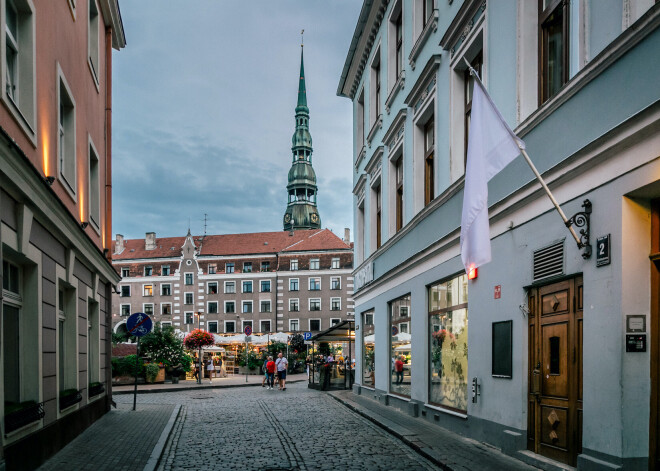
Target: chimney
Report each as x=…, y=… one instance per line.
x=347, y=235
x=150, y=241
x=119, y=243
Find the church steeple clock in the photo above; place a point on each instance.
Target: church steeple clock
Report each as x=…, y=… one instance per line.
x=301, y=211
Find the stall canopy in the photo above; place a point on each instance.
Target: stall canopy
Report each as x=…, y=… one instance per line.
x=342, y=332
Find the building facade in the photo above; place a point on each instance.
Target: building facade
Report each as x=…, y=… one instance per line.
x=563, y=341
x=293, y=281
x=55, y=212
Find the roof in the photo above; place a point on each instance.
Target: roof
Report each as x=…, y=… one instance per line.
x=340, y=332
x=236, y=244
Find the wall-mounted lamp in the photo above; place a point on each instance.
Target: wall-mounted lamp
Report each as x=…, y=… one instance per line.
x=105, y=252
x=84, y=224
x=50, y=180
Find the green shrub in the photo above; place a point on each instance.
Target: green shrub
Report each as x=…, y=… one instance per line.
x=125, y=366
x=151, y=371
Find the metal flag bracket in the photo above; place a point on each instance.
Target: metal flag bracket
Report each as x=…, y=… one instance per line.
x=582, y=221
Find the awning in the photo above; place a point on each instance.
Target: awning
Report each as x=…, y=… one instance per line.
x=342, y=332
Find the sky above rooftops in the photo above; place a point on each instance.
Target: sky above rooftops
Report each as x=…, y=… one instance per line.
x=203, y=113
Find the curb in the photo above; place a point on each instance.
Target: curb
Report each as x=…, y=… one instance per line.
x=394, y=433
x=156, y=453
x=193, y=388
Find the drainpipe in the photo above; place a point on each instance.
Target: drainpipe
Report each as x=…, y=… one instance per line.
x=108, y=142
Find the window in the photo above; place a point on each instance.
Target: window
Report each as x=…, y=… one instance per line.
x=94, y=188
x=230, y=327
x=398, y=22
x=314, y=284
x=265, y=306
x=265, y=266
x=188, y=318
x=314, y=264
x=334, y=321
x=212, y=307
x=93, y=40
x=379, y=220
x=294, y=325
x=230, y=287
x=293, y=284
x=400, y=347
x=265, y=286
x=245, y=324
x=230, y=307
x=66, y=136
x=294, y=305
x=19, y=54
x=247, y=286
x=67, y=337
x=335, y=263
x=374, y=110
x=399, y=193
x=125, y=272
x=359, y=120
x=189, y=279
x=427, y=10
x=293, y=265
x=429, y=169
x=125, y=310
x=335, y=282
x=314, y=324
x=265, y=326
x=213, y=327
x=212, y=269
x=247, y=307
x=148, y=309
x=166, y=309
x=404, y=327
x=188, y=299
x=212, y=287
x=448, y=343
x=147, y=290
x=165, y=324
x=11, y=319
x=553, y=39
x=229, y=268
x=125, y=291
x=335, y=304
x=165, y=270
x=148, y=270
x=395, y=44
x=314, y=304
x=165, y=289
x=369, y=318
x=247, y=267
x=468, y=81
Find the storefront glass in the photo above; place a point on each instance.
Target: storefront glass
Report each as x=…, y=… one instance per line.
x=368, y=343
x=448, y=343
x=400, y=359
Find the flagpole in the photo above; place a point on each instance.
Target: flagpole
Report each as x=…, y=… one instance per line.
x=567, y=222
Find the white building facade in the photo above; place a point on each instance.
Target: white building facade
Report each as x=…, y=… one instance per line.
x=558, y=343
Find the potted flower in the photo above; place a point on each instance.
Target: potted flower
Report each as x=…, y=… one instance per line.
x=198, y=338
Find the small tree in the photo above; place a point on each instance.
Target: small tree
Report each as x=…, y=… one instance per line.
x=297, y=344
x=165, y=347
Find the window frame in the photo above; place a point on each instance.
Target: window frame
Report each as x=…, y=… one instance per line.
x=230, y=267
x=332, y=304
x=293, y=265
x=208, y=287
x=94, y=186
x=208, y=307
x=121, y=291
x=144, y=308
x=337, y=265
x=233, y=303
x=185, y=298
x=314, y=279
x=185, y=317
x=295, y=301
x=121, y=309
x=261, y=286
x=93, y=43
x=297, y=282
x=246, y=303
x=188, y=276
x=316, y=301
x=332, y=282
x=165, y=270
x=208, y=326
x=261, y=326
x=429, y=166
x=243, y=282
x=230, y=283
x=233, y=330
x=261, y=305
x=163, y=305
x=169, y=287
x=314, y=263
x=148, y=287
x=66, y=136
x=309, y=324
x=543, y=16
x=247, y=267
x=297, y=321
x=127, y=271
x=150, y=269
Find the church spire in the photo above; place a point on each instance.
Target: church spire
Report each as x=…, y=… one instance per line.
x=301, y=211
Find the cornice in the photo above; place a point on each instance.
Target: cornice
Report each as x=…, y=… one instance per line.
x=360, y=156
x=430, y=26
x=424, y=84
x=457, y=28
x=398, y=85
x=112, y=17
x=395, y=132
x=378, y=124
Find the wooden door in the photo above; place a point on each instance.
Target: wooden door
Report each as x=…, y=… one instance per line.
x=554, y=426
x=654, y=419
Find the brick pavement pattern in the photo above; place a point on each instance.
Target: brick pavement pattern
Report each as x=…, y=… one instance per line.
x=120, y=440
x=259, y=429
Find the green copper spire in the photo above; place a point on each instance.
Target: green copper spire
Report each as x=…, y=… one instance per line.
x=301, y=211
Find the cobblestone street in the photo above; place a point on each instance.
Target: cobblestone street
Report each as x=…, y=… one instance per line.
x=260, y=429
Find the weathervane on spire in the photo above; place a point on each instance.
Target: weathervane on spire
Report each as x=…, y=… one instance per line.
x=302, y=38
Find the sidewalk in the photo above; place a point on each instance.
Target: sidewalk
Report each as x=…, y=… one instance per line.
x=448, y=450
x=235, y=381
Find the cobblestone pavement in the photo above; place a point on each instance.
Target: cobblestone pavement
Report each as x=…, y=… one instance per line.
x=260, y=429
x=120, y=440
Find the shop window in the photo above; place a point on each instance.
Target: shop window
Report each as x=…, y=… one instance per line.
x=448, y=343
x=400, y=352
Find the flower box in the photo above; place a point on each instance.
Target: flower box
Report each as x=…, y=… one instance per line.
x=95, y=389
x=26, y=414
x=69, y=398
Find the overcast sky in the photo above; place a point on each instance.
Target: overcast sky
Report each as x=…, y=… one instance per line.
x=203, y=113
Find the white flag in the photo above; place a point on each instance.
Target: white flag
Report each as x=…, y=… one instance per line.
x=491, y=147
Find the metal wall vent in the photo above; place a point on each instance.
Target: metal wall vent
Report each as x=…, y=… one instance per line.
x=549, y=261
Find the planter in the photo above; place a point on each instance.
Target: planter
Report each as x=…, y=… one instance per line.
x=24, y=416
x=96, y=389
x=70, y=399
x=160, y=377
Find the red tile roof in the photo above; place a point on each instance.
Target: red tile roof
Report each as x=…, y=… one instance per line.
x=237, y=244
x=124, y=349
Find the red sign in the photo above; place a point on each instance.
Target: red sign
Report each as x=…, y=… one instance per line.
x=498, y=292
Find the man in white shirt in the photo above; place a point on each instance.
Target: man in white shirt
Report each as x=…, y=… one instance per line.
x=281, y=364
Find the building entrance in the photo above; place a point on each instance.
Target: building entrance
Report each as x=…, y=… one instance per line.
x=654, y=425
x=554, y=426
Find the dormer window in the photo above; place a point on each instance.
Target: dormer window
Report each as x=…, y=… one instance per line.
x=148, y=270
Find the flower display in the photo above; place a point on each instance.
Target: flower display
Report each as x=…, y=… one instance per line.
x=441, y=334
x=198, y=338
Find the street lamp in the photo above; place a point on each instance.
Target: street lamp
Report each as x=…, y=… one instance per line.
x=199, y=359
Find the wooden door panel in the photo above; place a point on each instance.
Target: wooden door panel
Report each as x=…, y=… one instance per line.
x=554, y=303
x=554, y=427
x=554, y=360
x=579, y=359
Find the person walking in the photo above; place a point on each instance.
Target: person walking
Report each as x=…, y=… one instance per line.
x=398, y=369
x=270, y=372
x=281, y=364
x=210, y=369
x=265, y=378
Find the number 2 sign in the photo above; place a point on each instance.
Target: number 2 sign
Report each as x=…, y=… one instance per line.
x=603, y=251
